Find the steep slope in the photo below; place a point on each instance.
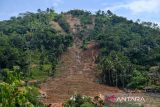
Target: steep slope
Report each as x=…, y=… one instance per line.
x=77, y=76
x=77, y=71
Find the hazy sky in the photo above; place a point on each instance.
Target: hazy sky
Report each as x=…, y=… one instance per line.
x=146, y=10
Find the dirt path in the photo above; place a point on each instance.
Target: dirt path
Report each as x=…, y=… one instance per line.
x=78, y=75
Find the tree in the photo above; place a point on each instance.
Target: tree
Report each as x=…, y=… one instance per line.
x=13, y=93
x=116, y=69
x=138, y=80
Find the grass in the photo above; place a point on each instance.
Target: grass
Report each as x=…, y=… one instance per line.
x=40, y=73
x=58, y=71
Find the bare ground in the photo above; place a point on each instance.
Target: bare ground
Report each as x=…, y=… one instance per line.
x=78, y=75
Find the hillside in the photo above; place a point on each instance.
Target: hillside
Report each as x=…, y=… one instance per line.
x=77, y=52
x=78, y=71
x=128, y=51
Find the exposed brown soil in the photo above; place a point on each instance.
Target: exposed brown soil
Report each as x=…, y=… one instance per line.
x=78, y=75
x=56, y=26
x=73, y=22
x=77, y=71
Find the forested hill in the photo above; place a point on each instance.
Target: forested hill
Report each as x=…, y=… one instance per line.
x=33, y=38
x=129, y=51
x=31, y=45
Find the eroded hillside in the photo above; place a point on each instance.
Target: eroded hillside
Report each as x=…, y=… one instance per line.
x=78, y=73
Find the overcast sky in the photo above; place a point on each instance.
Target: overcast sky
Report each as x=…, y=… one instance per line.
x=145, y=10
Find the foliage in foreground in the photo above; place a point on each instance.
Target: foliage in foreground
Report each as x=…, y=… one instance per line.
x=14, y=93
x=32, y=44
x=85, y=101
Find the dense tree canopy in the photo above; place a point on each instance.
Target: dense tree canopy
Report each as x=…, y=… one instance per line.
x=129, y=54
x=32, y=33
x=32, y=44
x=128, y=48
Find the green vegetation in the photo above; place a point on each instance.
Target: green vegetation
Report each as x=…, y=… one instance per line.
x=34, y=46
x=29, y=41
x=62, y=22
x=79, y=101
x=14, y=92
x=129, y=52
x=85, y=101
x=128, y=49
